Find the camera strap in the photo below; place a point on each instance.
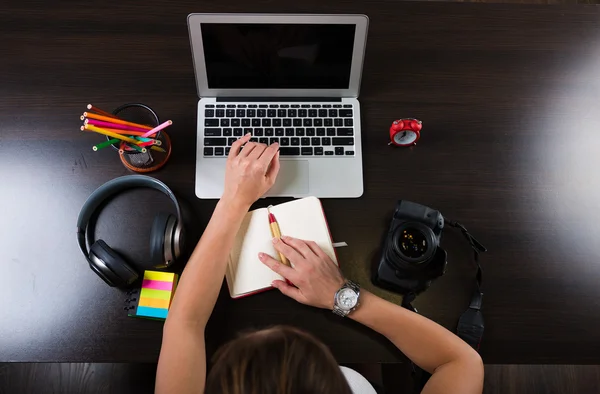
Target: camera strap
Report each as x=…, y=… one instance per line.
x=470, y=324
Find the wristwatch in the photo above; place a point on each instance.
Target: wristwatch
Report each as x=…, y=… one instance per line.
x=346, y=299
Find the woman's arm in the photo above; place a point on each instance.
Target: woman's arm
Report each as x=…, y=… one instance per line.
x=182, y=362
x=455, y=366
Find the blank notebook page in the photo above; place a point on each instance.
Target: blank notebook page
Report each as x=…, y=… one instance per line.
x=250, y=274
x=302, y=219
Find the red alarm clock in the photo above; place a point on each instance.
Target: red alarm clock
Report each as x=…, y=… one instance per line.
x=405, y=132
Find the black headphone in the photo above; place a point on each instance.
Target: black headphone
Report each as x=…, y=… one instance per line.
x=166, y=236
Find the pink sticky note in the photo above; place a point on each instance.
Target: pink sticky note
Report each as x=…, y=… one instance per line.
x=157, y=285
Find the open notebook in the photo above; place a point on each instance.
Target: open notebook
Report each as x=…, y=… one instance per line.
x=302, y=219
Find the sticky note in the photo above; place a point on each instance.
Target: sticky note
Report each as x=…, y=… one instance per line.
x=154, y=298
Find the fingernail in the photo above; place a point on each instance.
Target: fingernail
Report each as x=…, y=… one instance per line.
x=247, y=134
x=274, y=284
x=275, y=240
x=261, y=255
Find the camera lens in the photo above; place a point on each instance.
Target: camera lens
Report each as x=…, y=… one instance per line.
x=413, y=243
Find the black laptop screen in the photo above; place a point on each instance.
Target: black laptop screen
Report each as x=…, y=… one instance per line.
x=277, y=56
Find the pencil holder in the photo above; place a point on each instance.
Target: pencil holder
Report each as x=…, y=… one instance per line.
x=150, y=160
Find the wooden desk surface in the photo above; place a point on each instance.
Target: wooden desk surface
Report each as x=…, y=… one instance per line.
x=509, y=98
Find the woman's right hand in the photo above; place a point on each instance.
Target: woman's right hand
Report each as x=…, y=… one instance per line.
x=250, y=171
x=315, y=276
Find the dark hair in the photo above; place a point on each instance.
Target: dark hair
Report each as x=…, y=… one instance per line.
x=278, y=360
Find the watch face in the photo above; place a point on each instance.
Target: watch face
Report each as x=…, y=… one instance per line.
x=405, y=137
x=347, y=299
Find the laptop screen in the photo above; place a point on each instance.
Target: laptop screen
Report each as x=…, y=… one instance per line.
x=278, y=56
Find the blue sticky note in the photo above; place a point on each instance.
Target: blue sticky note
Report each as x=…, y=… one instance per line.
x=146, y=311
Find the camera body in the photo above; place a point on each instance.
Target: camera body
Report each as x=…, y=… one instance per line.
x=411, y=256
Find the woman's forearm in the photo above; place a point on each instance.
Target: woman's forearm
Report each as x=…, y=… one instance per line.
x=202, y=278
x=249, y=173
x=456, y=368
x=426, y=343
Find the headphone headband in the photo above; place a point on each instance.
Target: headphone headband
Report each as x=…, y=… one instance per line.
x=110, y=189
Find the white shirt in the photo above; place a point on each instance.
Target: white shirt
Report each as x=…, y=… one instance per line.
x=358, y=384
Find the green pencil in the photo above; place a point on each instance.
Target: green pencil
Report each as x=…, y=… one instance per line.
x=104, y=144
x=138, y=148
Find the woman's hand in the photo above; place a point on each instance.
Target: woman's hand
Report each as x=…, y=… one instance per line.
x=250, y=171
x=315, y=276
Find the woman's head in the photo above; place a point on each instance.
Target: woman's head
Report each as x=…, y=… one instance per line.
x=278, y=360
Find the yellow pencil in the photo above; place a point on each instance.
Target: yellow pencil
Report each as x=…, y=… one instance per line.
x=158, y=149
x=109, y=133
x=276, y=233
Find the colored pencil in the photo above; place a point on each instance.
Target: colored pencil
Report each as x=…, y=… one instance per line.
x=156, y=142
x=157, y=148
x=148, y=143
x=138, y=148
x=101, y=123
x=158, y=128
x=114, y=120
x=153, y=147
x=276, y=233
x=99, y=111
x=104, y=144
x=109, y=133
x=142, y=138
x=122, y=132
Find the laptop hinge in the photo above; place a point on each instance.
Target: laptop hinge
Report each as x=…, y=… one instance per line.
x=279, y=99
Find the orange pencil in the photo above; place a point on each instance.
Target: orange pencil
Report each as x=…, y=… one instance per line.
x=100, y=112
x=276, y=232
x=115, y=120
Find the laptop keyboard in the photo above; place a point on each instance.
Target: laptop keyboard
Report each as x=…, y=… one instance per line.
x=300, y=129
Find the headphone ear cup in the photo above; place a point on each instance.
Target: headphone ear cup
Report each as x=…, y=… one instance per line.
x=111, y=267
x=169, y=247
x=157, y=239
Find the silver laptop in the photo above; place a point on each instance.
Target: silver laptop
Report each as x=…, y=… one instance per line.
x=291, y=79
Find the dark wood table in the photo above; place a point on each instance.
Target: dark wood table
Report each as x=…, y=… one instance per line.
x=509, y=97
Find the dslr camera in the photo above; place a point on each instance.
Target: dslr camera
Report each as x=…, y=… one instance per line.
x=411, y=256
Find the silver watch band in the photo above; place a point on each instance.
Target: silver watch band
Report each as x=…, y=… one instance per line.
x=339, y=311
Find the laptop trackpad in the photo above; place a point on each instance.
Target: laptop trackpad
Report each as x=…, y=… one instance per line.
x=292, y=180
